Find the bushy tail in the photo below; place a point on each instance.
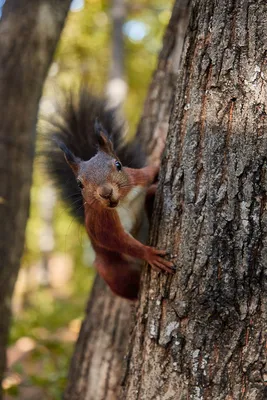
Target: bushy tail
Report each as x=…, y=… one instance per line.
x=73, y=125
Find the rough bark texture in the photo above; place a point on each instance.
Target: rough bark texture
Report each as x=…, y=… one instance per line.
x=202, y=334
x=97, y=371
x=29, y=31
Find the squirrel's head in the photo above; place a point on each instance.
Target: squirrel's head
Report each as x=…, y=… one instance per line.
x=102, y=179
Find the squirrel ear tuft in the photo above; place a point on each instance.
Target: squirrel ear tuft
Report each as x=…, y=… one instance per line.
x=69, y=156
x=103, y=138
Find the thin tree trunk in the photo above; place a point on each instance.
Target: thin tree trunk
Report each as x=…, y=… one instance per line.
x=29, y=31
x=154, y=123
x=117, y=86
x=98, y=359
x=97, y=371
x=202, y=334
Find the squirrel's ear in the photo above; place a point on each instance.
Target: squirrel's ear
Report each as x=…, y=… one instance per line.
x=104, y=142
x=69, y=156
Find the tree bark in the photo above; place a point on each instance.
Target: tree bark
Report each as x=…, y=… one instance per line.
x=97, y=371
x=29, y=31
x=201, y=334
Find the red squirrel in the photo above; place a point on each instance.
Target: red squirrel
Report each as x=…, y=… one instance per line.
x=111, y=195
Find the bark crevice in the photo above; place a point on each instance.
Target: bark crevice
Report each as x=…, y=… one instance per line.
x=211, y=204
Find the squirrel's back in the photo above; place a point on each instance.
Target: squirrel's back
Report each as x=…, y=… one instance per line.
x=74, y=126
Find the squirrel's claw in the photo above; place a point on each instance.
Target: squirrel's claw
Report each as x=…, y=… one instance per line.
x=158, y=263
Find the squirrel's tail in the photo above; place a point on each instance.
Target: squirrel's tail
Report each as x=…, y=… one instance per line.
x=74, y=125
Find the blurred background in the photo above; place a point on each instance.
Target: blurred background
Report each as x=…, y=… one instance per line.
x=112, y=46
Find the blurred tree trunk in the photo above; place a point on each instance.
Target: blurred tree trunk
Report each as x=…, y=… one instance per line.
x=97, y=367
x=201, y=334
x=117, y=86
x=29, y=31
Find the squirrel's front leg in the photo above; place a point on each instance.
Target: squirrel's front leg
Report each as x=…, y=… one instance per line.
x=143, y=176
x=151, y=255
x=126, y=244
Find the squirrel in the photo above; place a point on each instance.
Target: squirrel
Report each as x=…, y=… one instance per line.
x=106, y=183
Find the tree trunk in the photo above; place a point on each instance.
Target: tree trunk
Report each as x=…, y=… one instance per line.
x=117, y=87
x=97, y=367
x=154, y=123
x=201, y=334
x=98, y=360
x=29, y=31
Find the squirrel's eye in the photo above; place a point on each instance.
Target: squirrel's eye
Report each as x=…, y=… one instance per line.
x=118, y=165
x=80, y=184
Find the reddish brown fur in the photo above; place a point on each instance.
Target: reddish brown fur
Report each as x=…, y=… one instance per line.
x=111, y=244
x=143, y=176
x=115, y=248
x=122, y=275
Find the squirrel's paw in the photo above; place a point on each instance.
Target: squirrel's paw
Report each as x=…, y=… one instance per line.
x=156, y=261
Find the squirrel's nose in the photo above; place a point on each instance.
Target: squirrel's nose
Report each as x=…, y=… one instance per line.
x=105, y=191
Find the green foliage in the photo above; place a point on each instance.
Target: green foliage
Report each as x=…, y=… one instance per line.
x=51, y=312
x=48, y=320
x=51, y=359
x=84, y=51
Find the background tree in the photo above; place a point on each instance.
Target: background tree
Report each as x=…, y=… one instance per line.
x=116, y=86
x=33, y=26
x=99, y=362
x=201, y=334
